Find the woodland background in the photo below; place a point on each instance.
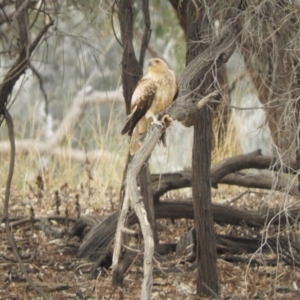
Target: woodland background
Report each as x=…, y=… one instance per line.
x=68, y=111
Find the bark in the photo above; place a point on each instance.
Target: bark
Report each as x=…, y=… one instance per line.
x=132, y=71
x=206, y=255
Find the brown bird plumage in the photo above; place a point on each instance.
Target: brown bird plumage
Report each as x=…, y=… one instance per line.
x=154, y=92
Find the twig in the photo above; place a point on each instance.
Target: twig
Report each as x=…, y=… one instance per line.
x=131, y=249
x=19, y=10
x=9, y=234
x=211, y=291
x=128, y=231
x=41, y=83
x=112, y=24
x=207, y=99
x=263, y=107
x=24, y=220
x=133, y=262
x=6, y=17
x=238, y=197
x=159, y=266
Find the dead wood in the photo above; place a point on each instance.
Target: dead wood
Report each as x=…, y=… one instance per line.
x=96, y=246
x=21, y=220
x=253, y=160
x=132, y=194
x=97, y=242
x=99, y=238
x=132, y=70
x=226, y=172
x=224, y=243
x=49, y=230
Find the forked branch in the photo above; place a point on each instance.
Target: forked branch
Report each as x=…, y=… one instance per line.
x=132, y=194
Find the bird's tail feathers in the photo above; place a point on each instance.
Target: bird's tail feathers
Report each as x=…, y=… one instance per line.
x=126, y=128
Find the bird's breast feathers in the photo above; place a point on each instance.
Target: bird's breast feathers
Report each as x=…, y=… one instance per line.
x=166, y=90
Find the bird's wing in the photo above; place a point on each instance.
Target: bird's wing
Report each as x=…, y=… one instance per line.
x=142, y=99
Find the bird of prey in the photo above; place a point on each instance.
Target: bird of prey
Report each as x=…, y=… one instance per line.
x=154, y=92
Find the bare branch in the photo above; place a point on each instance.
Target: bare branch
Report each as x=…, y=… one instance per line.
x=147, y=31
x=132, y=193
x=51, y=146
x=207, y=99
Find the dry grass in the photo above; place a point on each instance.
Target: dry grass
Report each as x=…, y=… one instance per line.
x=96, y=185
x=229, y=145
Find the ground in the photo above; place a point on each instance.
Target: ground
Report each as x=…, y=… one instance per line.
x=52, y=263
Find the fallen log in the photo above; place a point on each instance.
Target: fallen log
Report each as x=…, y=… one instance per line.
x=96, y=245
x=99, y=238
x=162, y=183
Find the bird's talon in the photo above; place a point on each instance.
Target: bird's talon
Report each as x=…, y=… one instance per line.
x=167, y=120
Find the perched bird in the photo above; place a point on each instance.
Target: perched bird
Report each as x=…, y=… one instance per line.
x=154, y=92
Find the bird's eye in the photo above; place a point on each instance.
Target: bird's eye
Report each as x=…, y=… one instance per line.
x=157, y=61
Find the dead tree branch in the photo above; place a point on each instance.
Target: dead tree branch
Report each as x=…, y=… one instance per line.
x=228, y=172
x=97, y=241
x=51, y=147
x=132, y=194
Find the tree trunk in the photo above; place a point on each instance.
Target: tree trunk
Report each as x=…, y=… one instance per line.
x=207, y=279
x=206, y=244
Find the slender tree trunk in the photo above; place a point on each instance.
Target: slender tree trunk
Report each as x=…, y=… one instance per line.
x=207, y=279
x=201, y=187
x=132, y=70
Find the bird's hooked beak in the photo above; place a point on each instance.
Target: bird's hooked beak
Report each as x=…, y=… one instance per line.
x=151, y=63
